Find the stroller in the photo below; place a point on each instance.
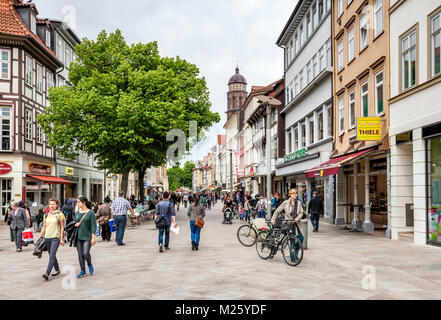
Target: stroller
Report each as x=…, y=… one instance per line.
x=228, y=216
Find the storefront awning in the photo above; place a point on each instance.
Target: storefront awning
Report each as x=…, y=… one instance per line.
x=50, y=179
x=332, y=166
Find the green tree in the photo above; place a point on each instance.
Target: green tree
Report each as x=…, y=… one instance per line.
x=180, y=177
x=122, y=103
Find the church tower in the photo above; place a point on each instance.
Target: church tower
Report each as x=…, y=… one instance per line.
x=237, y=93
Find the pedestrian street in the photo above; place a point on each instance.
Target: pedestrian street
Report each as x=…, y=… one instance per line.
x=332, y=267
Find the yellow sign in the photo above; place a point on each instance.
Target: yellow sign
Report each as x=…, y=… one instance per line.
x=368, y=129
x=69, y=171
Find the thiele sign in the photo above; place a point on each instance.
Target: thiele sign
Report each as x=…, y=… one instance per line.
x=295, y=155
x=369, y=129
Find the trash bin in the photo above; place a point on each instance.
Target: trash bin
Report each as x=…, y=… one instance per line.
x=305, y=233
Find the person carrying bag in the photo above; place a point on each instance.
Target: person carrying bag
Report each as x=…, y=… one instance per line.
x=196, y=213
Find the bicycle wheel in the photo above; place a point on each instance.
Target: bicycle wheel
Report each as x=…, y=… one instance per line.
x=264, y=247
x=247, y=235
x=292, y=250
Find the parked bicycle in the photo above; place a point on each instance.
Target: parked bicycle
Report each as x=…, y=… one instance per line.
x=281, y=238
x=247, y=233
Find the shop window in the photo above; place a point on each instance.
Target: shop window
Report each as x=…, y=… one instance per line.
x=6, y=193
x=435, y=192
x=436, y=43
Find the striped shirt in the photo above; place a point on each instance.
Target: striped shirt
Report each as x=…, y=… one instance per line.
x=120, y=207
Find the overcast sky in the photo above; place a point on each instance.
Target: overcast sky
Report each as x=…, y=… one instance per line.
x=212, y=34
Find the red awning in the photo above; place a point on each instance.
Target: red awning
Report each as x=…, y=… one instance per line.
x=50, y=179
x=332, y=166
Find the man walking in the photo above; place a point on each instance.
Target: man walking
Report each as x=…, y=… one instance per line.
x=315, y=208
x=166, y=209
x=19, y=222
x=118, y=211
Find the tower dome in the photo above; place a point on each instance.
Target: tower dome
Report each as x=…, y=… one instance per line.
x=237, y=78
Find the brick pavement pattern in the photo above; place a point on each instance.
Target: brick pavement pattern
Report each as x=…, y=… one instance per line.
x=224, y=269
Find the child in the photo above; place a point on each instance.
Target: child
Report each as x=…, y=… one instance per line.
x=241, y=213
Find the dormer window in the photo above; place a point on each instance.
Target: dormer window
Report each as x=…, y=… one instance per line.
x=33, y=24
x=48, y=38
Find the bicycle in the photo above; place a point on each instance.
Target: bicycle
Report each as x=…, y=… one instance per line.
x=247, y=233
x=283, y=239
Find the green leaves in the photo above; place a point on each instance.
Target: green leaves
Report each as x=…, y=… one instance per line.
x=124, y=101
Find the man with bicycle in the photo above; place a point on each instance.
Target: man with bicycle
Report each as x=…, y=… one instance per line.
x=293, y=210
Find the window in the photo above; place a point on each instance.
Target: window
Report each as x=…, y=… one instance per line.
x=308, y=25
x=364, y=100
x=341, y=115
x=330, y=118
x=67, y=57
x=327, y=5
x=48, y=38
x=289, y=52
x=301, y=80
x=314, y=16
x=363, y=32
x=408, y=60
x=28, y=133
x=60, y=49
x=349, y=2
x=39, y=78
x=296, y=44
x=341, y=56
x=39, y=134
x=289, y=142
x=6, y=121
x=435, y=43
x=328, y=53
x=296, y=138
x=303, y=129
x=311, y=129
x=308, y=73
x=339, y=7
x=301, y=36
x=379, y=92
x=5, y=63
x=322, y=59
x=320, y=125
x=292, y=90
x=378, y=17
x=351, y=48
x=352, y=109
x=49, y=80
x=314, y=66
x=320, y=10
x=33, y=24
x=296, y=85
x=29, y=80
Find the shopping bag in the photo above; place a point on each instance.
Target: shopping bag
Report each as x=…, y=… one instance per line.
x=28, y=236
x=97, y=230
x=112, y=224
x=175, y=230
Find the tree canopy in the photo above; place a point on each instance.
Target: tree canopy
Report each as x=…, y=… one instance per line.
x=123, y=101
x=180, y=177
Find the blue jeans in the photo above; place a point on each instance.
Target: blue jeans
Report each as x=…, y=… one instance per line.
x=120, y=222
x=52, y=247
x=261, y=214
x=247, y=215
x=195, y=232
x=167, y=236
x=294, y=255
x=315, y=217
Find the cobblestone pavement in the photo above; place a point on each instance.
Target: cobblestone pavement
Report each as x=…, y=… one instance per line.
x=223, y=269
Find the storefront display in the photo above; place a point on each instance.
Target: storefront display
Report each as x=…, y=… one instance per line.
x=435, y=186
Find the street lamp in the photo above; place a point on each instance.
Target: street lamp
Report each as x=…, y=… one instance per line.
x=268, y=102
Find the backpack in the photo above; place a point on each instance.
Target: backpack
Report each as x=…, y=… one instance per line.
x=161, y=220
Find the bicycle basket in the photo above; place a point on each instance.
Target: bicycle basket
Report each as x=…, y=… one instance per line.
x=290, y=227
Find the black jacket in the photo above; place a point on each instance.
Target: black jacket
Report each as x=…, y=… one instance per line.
x=40, y=246
x=68, y=211
x=315, y=205
x=71, y=233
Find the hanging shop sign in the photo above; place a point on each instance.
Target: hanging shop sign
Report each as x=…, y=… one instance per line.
x=369, y=129
x=252, y=170
x=69, y=171
x=404, y=137
x=39, y=168
x=301, y=153
x=5, y=168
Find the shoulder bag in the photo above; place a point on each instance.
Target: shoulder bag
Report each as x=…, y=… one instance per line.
x=199, y=222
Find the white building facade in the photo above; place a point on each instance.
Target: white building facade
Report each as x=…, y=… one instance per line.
x=415, y=113
x=308, y=113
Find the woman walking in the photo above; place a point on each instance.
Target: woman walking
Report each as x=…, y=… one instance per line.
x=195, y=210
x=86, y=224
x=53, y=233
x=246, y=207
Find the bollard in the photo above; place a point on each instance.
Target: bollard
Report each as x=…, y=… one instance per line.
x=305, y=233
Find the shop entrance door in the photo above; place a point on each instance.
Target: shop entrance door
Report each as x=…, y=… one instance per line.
x=6, y=192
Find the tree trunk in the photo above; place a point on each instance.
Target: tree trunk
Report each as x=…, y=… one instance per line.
x=125, y=181
x=141, y=173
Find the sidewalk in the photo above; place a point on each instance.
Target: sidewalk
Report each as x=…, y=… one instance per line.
x=223, y=269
